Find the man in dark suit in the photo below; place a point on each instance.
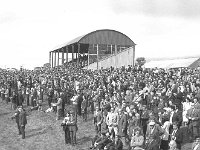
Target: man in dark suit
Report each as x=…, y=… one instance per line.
x=177, y=116
x=144, y=119
x=73, y=127
x=122, y=126
x=184, y=136
x=20, y=98
x=21, y=120
x=98, y=119
x=193, y=115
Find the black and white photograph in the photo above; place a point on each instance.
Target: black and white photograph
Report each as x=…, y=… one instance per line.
x=100, y=75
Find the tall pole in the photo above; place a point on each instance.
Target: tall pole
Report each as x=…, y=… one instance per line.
x=72, y=53
x=97, y=56
x=58, y=58
x=66, y=54
x=134, y=54
x=62, y=56
x=52, y=59
x=115, y=49
x=55, y=59
x=78, y=54
x=88, y=56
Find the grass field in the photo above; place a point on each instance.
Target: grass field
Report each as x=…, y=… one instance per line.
x=43, y=132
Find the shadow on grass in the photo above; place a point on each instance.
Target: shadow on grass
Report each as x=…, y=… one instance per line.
x=38, y=131
x=3, y=114
x=35, y=134
x=84, y=140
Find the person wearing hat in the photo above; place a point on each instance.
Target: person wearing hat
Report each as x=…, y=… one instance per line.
x=154, y=131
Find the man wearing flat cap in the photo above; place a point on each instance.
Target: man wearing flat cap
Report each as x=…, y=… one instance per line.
x=153, y=134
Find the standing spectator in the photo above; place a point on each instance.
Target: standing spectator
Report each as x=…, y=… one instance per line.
x=98, y=118
x=50, y=94
x=20, y=98
x=122, y=126
x=27, y=95
x=59, y=108
x=193, y=117
x=21, y=120
x=144, y=119
x=112, y=121
x=186, y=106
x=153, y=134
x=137, y=140
x=73, y=127
x=14, y=100
x=84, y=107
x=165, y=136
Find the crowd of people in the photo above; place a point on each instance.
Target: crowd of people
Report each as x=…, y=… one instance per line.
x=133, y=107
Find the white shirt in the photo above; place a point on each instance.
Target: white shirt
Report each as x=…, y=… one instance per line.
x=187, y=105
x=196, y=147
x=172, y=113
x=165, y=127
x=112, y=118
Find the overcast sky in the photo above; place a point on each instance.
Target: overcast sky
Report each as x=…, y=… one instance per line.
x=29, y=29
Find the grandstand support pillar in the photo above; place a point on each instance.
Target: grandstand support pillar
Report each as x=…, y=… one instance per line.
x=78, y=54
x=50, y=57
x=58, y=58
x=72, y=53
x=97, y=56
x=66, y=54
x=55, y=59
x=62, y=56
x=88, y=57
x=133, y=55
x=115, y=49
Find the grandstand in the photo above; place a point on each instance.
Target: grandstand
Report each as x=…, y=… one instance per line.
x=93, y=48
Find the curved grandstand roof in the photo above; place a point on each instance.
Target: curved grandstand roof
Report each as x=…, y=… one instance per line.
x=105, y=36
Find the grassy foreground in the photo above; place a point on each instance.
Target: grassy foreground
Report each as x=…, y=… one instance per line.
x=43, y=132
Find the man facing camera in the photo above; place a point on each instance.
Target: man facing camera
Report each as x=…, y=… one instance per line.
x=20, y=116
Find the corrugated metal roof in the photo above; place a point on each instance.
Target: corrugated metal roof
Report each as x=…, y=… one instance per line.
x=105, y=36
x=173, y=63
